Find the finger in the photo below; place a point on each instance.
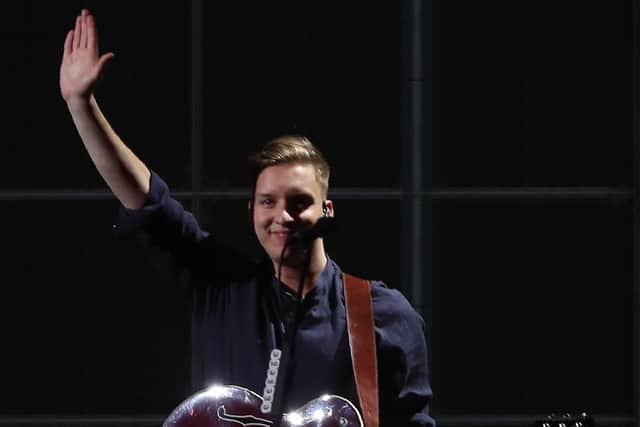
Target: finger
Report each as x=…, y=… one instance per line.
x=68, y=43
x=92, y=33
x=77, y=33
x=83, y=25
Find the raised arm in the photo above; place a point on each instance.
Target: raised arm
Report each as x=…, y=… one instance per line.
x=125, y=174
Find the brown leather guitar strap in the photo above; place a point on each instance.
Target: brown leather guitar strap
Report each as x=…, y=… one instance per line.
x=362, y=341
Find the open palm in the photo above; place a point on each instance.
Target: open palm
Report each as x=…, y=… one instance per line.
x=81, y=62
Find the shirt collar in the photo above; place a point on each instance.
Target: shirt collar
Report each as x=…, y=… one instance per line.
x=318, y=294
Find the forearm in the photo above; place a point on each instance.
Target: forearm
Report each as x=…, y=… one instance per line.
x=125, y=174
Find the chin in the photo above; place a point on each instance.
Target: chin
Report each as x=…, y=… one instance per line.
x=289, y=260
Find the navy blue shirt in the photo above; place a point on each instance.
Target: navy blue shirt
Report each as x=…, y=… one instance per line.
x=239, y=310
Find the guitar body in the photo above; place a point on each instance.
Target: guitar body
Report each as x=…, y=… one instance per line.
x=233, y=406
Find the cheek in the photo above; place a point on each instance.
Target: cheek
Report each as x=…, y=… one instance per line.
x=309, y=216
x=260, y=220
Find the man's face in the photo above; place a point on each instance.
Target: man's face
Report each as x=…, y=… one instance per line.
x=288, y=198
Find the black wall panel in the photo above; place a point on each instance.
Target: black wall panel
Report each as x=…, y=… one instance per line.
x=534, y=94
x=331, y=74
x=144, y=92
x=88, y=326
x=533, y=163
x=534, y=306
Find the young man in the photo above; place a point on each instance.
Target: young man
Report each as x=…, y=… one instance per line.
x=242, y=309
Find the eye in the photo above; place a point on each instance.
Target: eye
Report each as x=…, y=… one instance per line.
x=300, y=202
x=267, y=203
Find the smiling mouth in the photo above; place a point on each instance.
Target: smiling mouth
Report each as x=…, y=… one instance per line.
x=281, y=234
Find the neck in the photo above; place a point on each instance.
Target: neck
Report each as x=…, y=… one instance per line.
x=290, y=274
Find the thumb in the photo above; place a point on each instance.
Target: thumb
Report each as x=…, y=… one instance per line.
x=102, y=61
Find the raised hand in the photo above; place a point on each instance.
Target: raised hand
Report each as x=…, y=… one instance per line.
x=81, y=61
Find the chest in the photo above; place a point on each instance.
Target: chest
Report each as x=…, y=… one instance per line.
x=235, y=333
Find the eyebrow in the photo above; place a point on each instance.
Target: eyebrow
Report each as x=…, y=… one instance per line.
x=264, y=195
x=296, y=193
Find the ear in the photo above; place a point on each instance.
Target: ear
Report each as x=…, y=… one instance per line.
x=327, y=208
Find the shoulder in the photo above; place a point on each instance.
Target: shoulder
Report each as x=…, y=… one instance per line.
x=391, y=309
x=390, y=306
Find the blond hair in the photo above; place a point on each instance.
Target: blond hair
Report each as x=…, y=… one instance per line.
x=291, y=149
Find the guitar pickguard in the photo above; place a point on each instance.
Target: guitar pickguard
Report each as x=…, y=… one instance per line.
x=243, y=420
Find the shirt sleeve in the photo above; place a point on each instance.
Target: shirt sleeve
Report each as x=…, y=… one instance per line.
x=162, y=212
x=172, y=237
x=403, y=374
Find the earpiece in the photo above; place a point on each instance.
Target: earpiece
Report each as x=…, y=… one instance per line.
x=325, y=209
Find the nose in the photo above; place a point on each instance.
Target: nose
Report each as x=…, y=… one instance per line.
x=284, y=217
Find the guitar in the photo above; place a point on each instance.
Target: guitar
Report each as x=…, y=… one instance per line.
x=234, y=406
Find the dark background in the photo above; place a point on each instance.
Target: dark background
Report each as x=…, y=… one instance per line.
x=528, y=192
